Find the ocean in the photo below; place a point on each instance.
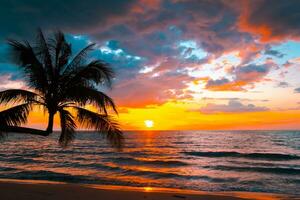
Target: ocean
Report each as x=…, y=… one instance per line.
x=254, y=161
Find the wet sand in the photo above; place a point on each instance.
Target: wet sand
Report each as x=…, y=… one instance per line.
x=44, y=190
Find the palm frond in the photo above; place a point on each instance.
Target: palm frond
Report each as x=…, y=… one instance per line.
x=24, y=56
x=66, y=52
x=43, y=51
x=96, y=72
x=15, y=116
x=84, y=95
x=62, y=51
x=104, y=124
x=68, y=127
x=17, y=95
x=79, y=59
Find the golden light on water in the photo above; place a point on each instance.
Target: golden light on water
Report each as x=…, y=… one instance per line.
x=148, y=189
x=149, y=123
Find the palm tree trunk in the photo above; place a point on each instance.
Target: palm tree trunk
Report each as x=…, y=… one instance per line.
x=50, y=122
x=25, y=130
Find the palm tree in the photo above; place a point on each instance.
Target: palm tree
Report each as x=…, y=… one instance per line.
x=59, y=83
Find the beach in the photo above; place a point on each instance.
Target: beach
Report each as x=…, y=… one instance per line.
x=44, y=190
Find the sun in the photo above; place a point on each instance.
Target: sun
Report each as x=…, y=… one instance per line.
x=149, y=123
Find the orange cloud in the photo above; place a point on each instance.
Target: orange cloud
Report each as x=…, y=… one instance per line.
x=228, y=86
x=271, y=22
x=264, y=31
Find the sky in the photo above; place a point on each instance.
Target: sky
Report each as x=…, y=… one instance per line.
x=182, y=64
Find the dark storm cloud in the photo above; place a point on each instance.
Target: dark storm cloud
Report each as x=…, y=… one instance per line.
x=21, y=18
x=7, y=68
x=210, y=23
x=272, y=19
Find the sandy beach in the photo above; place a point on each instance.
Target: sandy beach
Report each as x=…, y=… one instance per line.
x=44, y=190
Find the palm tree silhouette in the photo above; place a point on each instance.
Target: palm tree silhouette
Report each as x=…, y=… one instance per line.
x=59, y=83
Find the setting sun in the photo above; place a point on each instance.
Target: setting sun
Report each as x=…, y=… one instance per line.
x=149, y=123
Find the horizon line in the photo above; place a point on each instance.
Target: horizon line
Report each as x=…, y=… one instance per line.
x=156, y=130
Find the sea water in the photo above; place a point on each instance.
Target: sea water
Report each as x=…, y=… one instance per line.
x=256, y=161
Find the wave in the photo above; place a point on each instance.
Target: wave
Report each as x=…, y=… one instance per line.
x=19, y=159
x=150, y=173
x=275, y=170
x=7, y=169
x=265, y=156
x=46, y=175
x=64, y=177
x=134, y=161
x=169, y=175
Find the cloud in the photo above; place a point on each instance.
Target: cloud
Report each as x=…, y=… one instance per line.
x=243, y=76
x=223, y=84
x=274, y=53
x=152, y=44
x=146, y=89
x=218, y=82
x=234, y=98
x=271, y=20
x=21, y=18
x=251, y=73
x=212, y=24
x=139, y=24
x=297, y=90
x=6, y=82
x=283, y=84
x=233, y=106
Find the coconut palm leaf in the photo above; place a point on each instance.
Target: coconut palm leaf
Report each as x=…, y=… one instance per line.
x=96, y=71
x=62, y=51
x=15, y=116
x=17, y=95
x=68, y=127
x=104, y=124
x=43, y=51
x=78, y=60
x=24, y=56
x=88, y=95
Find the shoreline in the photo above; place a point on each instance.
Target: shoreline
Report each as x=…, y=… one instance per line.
x=13, y=189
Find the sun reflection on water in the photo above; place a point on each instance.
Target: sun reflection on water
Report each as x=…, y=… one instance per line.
x=148, y=189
